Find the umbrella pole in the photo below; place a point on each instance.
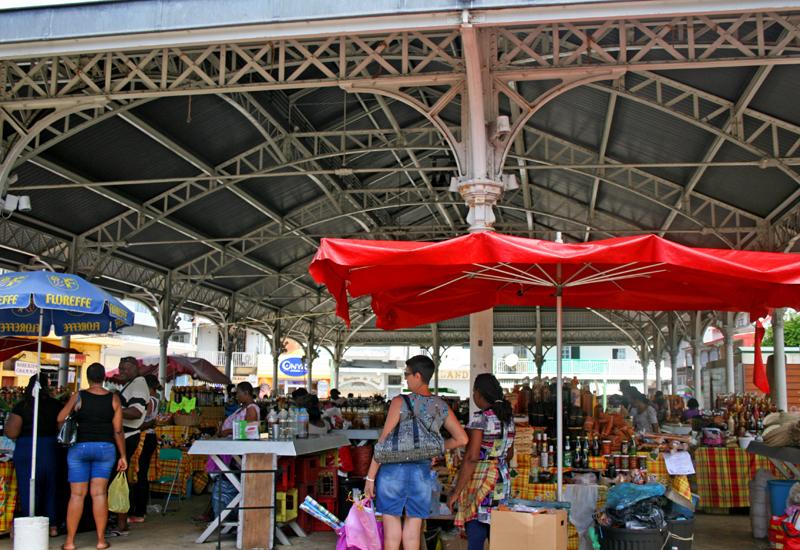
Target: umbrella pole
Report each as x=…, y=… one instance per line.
x=32, y=487
x=559, y=400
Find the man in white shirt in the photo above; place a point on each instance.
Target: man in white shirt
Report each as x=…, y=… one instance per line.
x=134, y=396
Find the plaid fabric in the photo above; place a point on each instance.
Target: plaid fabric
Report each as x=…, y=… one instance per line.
x=658, y=469
x=192, y=466
x=133, y=466
x=481, y=486
x=723, y=476
x=8, y=495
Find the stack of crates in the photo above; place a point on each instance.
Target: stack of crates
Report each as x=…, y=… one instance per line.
x=327, y=486
x=306, y=476
x=286, y=493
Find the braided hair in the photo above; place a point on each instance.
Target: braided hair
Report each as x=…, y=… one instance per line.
x=487, y=385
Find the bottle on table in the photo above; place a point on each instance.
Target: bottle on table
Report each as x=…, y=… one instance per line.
x=567, y=455
x=273, y=425
x=632, y=450
x=302, y=424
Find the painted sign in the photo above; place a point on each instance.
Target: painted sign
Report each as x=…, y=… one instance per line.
x=23, y=368
x=293, y=366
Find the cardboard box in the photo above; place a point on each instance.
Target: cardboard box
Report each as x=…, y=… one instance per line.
x=547, y=530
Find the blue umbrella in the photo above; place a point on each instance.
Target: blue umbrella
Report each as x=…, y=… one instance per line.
x=31, y=303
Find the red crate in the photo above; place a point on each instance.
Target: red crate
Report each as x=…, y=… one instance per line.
x=330, y=505
x=285, y=478
x=306, y=470
x=327, y=485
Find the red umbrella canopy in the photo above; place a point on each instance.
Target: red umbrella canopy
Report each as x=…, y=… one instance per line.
x=9, y=347
x=413, y=283
x=178, y=365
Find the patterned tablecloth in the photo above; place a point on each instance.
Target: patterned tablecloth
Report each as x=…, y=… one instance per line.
x=8, y=495
x=192, y=466
x=723, y=476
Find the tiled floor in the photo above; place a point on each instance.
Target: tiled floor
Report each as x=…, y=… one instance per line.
x=713, y=532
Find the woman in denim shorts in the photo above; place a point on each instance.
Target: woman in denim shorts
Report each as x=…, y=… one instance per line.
x=406, y=488
x=92, y=459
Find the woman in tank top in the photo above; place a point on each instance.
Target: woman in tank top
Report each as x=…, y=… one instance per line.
x=406, y=488
x=91, y=460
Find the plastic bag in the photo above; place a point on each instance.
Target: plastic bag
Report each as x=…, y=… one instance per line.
x=627, y=494
x=118, y=499
x=361, y=530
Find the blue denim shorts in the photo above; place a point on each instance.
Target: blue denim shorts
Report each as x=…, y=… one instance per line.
x=91, y=460
x=405, y=486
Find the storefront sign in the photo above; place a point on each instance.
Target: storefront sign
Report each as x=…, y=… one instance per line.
x=23, y=368
x=293, y=366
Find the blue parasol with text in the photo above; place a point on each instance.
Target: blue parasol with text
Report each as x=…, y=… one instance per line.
x=33, y=302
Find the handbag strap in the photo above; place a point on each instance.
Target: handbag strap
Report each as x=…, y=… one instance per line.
x=414, y=423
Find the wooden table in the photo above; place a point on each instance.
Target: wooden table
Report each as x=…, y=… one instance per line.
x=257, y=489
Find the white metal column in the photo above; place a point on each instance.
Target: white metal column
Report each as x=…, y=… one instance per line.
x=730, y=331
x=779, y=361
x=697, y=343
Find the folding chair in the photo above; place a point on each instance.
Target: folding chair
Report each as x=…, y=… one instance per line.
x=174, y=456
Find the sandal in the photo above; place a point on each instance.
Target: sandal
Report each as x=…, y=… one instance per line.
x=108, y=545
x=115, y=533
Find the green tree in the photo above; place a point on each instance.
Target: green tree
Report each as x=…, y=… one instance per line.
x=791, y=332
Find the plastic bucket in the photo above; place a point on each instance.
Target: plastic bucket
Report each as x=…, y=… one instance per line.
x=615, y=538
x=681, y=534
x=31, y=533
x=778, y=493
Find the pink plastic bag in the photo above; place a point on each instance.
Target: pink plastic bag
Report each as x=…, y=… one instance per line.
x=361, y=530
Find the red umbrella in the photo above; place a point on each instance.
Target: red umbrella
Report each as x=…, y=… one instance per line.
x=178, y=365
x=414, y=283
x=9, y=347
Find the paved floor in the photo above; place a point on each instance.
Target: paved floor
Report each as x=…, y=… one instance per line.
x=713, y=532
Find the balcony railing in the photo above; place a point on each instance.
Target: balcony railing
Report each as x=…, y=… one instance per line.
x=238, y=360
x=616, y=369
x=595, y=367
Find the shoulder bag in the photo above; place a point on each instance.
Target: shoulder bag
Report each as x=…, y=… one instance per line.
x=410, y=441
x=68, y=433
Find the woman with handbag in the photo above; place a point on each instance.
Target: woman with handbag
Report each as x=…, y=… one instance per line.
x=19, y=427
x=98, y=416
x=400, y=473
x=483, y=480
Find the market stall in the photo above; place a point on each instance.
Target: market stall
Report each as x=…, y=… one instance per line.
x=255, y=494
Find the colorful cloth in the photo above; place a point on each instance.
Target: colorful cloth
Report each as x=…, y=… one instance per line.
x=8, y=495
x=497, y=440
x=723, y=476
x=477, y=498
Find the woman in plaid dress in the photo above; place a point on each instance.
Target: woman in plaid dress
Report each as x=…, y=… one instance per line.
x=483, y=480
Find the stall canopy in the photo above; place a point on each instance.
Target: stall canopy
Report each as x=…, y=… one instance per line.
x=413, y=283
x=178, y=365
x=9, y=347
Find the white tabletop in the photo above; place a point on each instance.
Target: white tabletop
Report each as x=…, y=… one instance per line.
x=361, y=435
x=296, y=447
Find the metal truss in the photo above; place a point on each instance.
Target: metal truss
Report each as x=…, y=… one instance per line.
x=667, y=43
x=405, y=57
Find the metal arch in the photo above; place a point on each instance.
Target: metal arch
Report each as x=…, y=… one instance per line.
x=31, y=133
x=431, y=113
x=530, y=108
x=645, y=179
x=102, y=113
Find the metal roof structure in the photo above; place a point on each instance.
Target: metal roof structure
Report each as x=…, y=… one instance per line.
x=193, y=156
